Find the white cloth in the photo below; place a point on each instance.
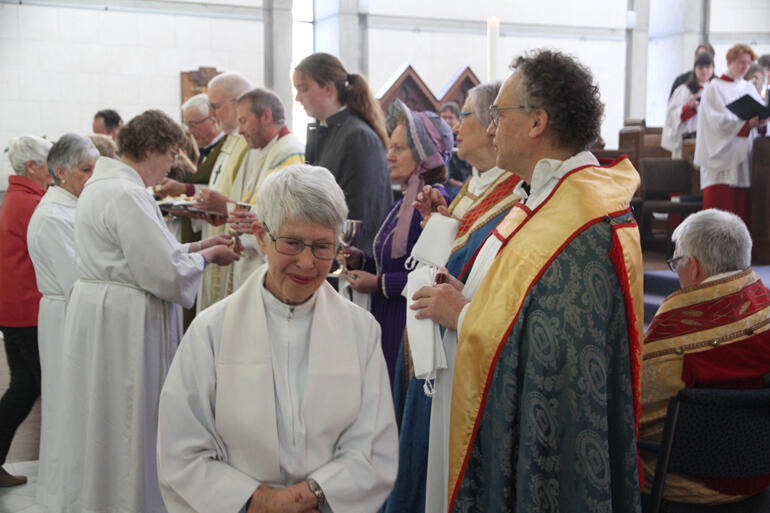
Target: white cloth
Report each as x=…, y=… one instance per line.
x=723, y=157
x=481, y=180
x=51, y=244
x=545, y=177
x=431, y=251
x=257, y=165
x=674, y=128
x=358, y=298
x=120, y=334
x=262, y=392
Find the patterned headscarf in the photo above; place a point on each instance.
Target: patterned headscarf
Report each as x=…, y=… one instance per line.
x=431, y=141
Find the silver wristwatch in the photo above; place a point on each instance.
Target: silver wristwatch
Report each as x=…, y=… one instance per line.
x=316, y=489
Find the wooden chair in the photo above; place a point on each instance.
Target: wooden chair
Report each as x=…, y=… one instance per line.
x=662, y=178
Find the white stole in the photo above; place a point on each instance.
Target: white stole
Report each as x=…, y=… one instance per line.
x=245, y=410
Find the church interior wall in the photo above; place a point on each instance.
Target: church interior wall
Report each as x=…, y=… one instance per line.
x=437, y=47
x=58, y=65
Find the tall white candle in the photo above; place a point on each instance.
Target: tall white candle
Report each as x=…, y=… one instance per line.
x=493, y=34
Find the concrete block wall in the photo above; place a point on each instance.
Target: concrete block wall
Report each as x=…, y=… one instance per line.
x=59, y=65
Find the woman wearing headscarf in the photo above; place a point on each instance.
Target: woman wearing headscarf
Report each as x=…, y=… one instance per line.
x=51, y=242
x=420, y=146
x=479, y=206
x=19, y=297
x=123, y=322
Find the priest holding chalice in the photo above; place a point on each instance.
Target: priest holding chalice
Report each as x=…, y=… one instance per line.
x=278, y=399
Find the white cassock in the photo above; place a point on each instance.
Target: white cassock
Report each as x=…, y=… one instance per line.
x=261, y=392
x=257, y=165
x=545, y=177
x=674, y=128
x=723, y=157
x=121, y=331
x=51, y=244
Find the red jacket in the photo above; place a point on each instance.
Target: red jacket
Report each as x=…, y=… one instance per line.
x=19, y=297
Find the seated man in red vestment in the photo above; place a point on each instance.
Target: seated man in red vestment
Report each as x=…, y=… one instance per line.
x=712, y=333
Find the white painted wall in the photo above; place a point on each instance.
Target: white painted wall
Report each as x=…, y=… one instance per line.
x=586, y=13
x=437, y=52
x=59, y=65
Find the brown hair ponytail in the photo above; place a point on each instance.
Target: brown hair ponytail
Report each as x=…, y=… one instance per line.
x=352, y=89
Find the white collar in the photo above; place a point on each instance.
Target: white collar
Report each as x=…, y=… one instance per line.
x=720, y=276
x=280, y=308
x=548, y=173
x=480, y=181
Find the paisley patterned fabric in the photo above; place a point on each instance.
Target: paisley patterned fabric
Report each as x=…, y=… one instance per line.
x=557, y=428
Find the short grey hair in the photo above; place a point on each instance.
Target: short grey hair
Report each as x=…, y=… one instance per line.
x=234, y=83
x=25, y=148
x=481, y=98
x=263, y=99
x=305, y=192
x=719, y=240
x=68, y=152
x=200, y=102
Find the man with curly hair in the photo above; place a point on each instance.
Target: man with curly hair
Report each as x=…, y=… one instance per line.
x=546, y=379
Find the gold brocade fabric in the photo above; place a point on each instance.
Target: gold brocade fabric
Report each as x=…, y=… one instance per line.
x=689, y=321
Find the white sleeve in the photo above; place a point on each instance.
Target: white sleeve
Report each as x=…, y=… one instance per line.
x=158, y=262
x=55, y=240
x=719, y=125
x=672, y=129
x=363, y=471
x=192, y=470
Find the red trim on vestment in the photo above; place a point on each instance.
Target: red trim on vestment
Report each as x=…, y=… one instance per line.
x=490, y=372
x=634, y=337
x=709, y=314
x=502, y=189
x=284, y=131
x=688, y=112
x=726, y=78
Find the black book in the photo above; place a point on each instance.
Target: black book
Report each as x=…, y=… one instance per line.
x=747, y=107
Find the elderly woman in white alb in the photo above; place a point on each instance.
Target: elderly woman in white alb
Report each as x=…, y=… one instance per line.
x=123, y=323
x=278, y=399
x=51, y=243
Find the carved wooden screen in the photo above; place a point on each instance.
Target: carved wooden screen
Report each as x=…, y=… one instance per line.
x=407, y=85
x=195, y=82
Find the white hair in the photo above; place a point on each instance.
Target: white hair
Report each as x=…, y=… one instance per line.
x=25, y=148
x=305, y=192
x=481, y=98
x=234, y=83
x=719, y=240
x=68, y=152
x=200, y=102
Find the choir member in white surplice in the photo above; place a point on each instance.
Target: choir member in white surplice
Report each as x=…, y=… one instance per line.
x=278, y=399
x=122, y=325
x=723, y=143
x=682, y=111
x=51, y=243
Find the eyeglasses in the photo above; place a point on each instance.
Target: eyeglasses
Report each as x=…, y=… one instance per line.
x=290, y=246
x=494, y=112
x=464, y=114
x=194, y=124
x=673, y=263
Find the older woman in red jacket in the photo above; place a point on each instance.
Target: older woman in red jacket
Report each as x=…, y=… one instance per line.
x=19, y=296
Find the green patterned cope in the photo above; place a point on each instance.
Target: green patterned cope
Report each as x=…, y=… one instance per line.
x=557, y=430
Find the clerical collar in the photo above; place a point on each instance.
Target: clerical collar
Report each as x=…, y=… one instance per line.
x=214, y=141
x=720, y=276
x=547, y=174
x=325, y=121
